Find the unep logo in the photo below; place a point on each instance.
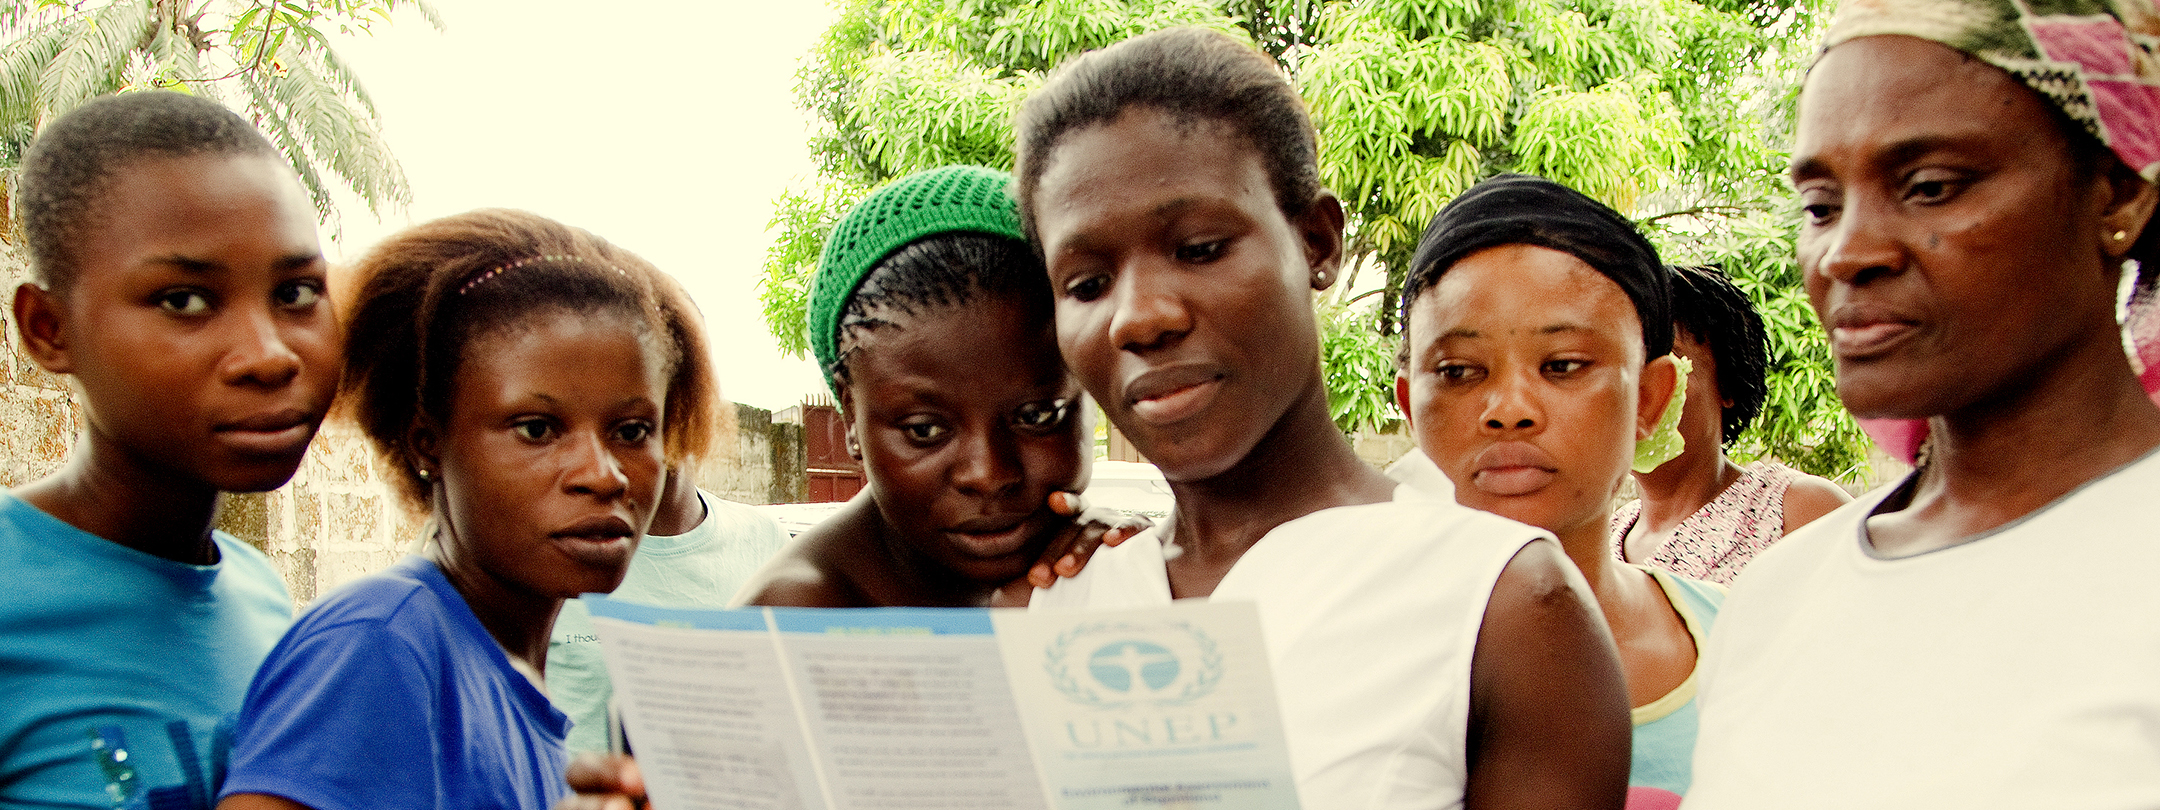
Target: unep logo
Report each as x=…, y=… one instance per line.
x=1120, y=664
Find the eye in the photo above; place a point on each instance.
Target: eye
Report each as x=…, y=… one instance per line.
x=1455, y=372
x=183, y=301
x=1817, y=206
x=1562, y=368
x=1087, y=288
x=634, y=432
x=301, y=294
x=1042, y=416
x=925, y=431
x=1932, y=187
x=1201, y=252
x=533, y=429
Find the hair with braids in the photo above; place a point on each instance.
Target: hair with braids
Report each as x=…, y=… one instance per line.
x=936, y=272
x=1709, y=308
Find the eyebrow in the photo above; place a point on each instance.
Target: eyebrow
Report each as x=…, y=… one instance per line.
x=194, y=266
x=1896, y=154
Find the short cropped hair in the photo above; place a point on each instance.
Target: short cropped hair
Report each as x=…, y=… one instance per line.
x=1710, y=309
x=1196, y=76
x=426, y=293
x=67, y=170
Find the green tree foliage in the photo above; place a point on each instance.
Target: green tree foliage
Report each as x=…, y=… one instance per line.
x=273, y=57
x=1673, y=111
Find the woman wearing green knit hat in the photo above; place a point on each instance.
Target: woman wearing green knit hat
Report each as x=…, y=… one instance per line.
x=930, y=316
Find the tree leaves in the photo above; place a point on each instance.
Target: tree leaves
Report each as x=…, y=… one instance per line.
x=272, y=53
x=1673, y=111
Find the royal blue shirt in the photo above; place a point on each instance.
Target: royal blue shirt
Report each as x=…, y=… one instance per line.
x=389, y=693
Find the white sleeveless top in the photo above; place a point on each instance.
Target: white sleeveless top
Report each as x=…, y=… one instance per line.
x=1371, y=615
x=2020, y=669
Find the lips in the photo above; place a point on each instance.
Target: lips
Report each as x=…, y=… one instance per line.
x=275, y=433
x=600, y=542
x=1167, y=395
x=994, y=535
x=1861, y=332
x=1510, y=469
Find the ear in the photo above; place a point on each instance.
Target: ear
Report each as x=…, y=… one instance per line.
x=39, y=318
x=423, y=452
x=1402, y=401
x=847, y=423
x=2128, y=210
x=1321, y=229
x=1660, y=381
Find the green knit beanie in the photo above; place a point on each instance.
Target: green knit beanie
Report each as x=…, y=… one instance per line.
x=950, y=198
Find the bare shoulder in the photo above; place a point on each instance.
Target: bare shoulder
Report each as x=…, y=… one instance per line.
x=1810, y=497
x=816, y=568
x=1548, y=710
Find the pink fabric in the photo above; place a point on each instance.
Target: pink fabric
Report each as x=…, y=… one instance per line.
x=1650, y=798
x=1720, y=538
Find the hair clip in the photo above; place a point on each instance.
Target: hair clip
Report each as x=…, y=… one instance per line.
x=476, y=281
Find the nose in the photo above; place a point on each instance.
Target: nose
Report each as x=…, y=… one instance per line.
x=590, y=468
x=260, y=355
x=989, y=464
x=1858, y=248
x=1150, y=312
x=1512, y=405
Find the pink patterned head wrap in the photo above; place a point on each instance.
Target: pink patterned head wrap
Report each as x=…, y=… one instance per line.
x=2092, y=59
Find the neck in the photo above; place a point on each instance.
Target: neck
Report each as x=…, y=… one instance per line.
x=2015, y=455
x=1625, y=594
x=106, y=491
x=1301, y=466
x=517, y=619
x=680, y=508
x=1683, y=486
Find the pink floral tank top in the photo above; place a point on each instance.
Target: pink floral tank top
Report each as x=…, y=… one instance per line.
x=1720, y=538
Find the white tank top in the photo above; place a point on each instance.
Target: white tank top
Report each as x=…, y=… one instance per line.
x=1371, y=615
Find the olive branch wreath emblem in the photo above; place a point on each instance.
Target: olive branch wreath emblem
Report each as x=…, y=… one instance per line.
x=1061, y=676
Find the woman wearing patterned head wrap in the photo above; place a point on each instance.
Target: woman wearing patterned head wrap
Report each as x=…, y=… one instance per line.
x=1984, y=633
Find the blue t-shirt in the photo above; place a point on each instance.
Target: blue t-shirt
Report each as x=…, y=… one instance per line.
x=1664, y=742
x=120, y=671
x=390, y=693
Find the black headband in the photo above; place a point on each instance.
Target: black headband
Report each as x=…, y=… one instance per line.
x=1517, y=209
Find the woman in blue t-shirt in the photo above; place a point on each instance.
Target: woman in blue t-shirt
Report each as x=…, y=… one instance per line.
x=529, y=383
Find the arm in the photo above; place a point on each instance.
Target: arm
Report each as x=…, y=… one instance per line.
x=1810, y=497
x=1548, y=709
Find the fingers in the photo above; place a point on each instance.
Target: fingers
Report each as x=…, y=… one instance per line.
x=604, y=782
x=1067, y=503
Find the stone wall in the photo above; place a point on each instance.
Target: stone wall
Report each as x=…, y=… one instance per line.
x=337, y=519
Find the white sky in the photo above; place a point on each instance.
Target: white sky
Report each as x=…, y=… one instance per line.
x=666, y=127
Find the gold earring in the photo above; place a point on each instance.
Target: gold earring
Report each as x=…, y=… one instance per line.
x=423, y=473
x=2121, y=235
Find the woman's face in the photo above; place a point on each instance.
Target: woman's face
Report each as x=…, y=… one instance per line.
x=1183, y=293
x=966, y=422
x=1950, y=245
x=550, y=463
x=1525, y=385
x=197, y=322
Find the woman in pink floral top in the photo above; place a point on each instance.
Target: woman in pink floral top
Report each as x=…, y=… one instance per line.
x=1701, y=515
